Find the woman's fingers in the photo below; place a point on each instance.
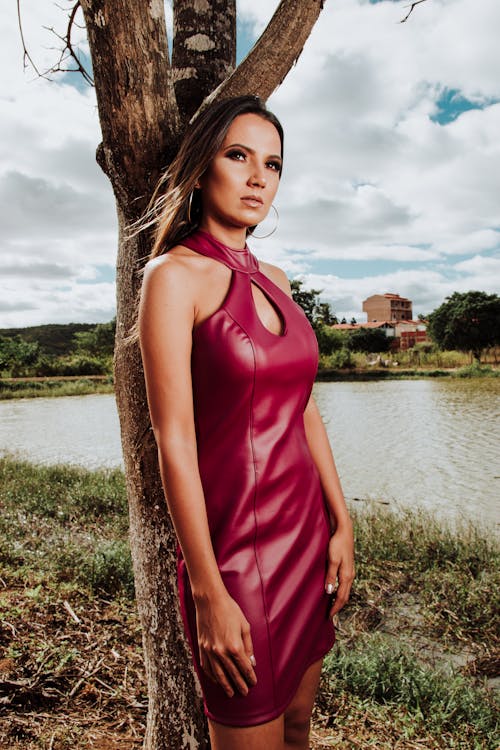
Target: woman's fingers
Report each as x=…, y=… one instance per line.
x=206, y=666
x=344, y=588
x=249, y=661
x=331, y=577
x=221, y=676
x=232, y=669
x=341, y=597
x=225, y=646
x=341, y=567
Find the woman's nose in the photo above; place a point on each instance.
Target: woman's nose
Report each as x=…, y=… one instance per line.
x=258, y=178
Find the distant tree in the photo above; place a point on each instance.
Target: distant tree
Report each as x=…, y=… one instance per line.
x=325, y=314
x=343, y=321
x=368, y=340
x=467, y=321
x=18, y=356
x=306, y=298
x=329, y=339
x=54, y=339
x=98, y=341
x=318, y=313
x=422, y=317
x=353, y=321
x=320, y=316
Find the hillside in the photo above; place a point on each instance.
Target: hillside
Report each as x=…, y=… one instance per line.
x=54, y=338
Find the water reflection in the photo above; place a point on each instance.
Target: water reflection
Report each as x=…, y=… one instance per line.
x=430, y=443
x=80, y=430
x=424, y=442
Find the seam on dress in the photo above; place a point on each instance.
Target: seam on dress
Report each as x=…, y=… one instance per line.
x=255, y=501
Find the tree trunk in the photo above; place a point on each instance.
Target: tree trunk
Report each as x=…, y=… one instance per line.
x=204, y=49
x=144, y=104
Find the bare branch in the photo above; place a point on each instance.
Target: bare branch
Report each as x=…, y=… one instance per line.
x=67, y=52
x=417, y=2
x=26, y=54
x=69, y=45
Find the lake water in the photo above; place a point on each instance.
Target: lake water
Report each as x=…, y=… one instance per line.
x=429, y=443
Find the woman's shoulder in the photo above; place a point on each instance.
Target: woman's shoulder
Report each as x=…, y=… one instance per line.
x=178, y=261
x=277, y=275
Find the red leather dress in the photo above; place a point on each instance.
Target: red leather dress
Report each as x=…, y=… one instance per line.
x=266, y=510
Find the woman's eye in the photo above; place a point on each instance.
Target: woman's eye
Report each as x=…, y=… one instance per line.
x=274, y=165
x=237, y=155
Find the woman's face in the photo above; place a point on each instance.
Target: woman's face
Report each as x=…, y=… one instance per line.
x=240, y=183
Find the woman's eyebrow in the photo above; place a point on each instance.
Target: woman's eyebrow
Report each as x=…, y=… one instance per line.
x=251, y=150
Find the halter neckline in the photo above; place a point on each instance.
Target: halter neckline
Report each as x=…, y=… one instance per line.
x=214, y=239
x=242, y=259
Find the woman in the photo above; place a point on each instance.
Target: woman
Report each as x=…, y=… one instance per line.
x=230, y=359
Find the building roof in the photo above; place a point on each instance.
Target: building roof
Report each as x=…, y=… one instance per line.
x=370, y=324
x=410, y=322
x=387, y=295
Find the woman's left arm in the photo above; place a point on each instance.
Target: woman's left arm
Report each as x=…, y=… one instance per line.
x=341, y=546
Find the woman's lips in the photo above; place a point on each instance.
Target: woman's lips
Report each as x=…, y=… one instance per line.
x=252, y=202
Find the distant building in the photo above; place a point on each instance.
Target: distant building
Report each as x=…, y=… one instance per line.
x=387, y=307
x=410, y=332
x=387, y=327
x=404, y=334
x=393, y=315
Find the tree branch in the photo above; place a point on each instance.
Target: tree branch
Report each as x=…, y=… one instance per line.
x=274, y=53
x=68, y=47
x=26, y=54
x=417, y=2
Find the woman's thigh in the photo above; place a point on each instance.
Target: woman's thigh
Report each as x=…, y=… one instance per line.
x=269, y=736
x=303, y=701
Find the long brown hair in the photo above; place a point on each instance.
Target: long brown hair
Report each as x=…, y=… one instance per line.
x=174, y=210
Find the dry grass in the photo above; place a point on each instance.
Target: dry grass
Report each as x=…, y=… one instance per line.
x=71, y=669
x=71, y=675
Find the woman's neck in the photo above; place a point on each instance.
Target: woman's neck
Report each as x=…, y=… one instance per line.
x=233, y=237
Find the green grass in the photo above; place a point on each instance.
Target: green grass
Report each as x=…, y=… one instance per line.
x=63, y=536
x=476, y=370
x=454, y=571
x=425, y=592
x=326, y=373
x=53, y=387
x=387, y=675
x=65, y=524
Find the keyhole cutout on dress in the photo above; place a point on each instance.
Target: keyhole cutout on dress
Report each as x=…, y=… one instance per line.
x=267, y=311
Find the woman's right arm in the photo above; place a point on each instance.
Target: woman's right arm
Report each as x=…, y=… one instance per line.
x=166, y=315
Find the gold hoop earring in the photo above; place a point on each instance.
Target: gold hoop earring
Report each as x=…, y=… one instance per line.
x=190, y=205
x=263, y=236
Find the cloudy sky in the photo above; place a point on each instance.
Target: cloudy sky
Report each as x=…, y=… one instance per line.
x=392, y=162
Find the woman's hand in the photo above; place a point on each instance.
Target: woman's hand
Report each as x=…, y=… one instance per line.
x=225, y=644
x=341, y=566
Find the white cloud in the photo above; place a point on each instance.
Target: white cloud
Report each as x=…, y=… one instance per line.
x=57, y=216
x=369, y=177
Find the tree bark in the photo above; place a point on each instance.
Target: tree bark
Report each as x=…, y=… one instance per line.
x=275, y=52
x=204, y=49
x=144, y=103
